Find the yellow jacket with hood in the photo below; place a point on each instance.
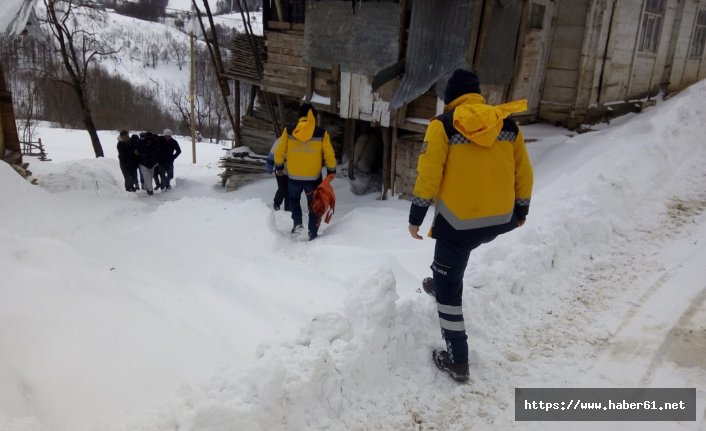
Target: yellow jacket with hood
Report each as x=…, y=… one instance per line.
x=305, y=146
x=474, y=164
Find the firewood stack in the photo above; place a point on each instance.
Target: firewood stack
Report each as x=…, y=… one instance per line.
x=241, y=165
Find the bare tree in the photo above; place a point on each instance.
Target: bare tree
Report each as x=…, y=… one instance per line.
x=180, y=50
x=77, y=48
x=27, y=112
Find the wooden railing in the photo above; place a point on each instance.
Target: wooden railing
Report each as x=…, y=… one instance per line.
x=34, y=149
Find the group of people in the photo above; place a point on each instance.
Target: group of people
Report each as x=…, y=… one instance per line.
x=147, y=158
x=473, y=166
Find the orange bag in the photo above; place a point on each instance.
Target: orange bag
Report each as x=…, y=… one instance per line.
x=323, y=200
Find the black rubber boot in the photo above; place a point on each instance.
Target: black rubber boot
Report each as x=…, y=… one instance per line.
x=428, y=286
x=443, y=361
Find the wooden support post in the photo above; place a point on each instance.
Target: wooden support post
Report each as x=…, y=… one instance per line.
x=348, y=144
x=335, y=87
x=280, y=107
x=393, y=160
x=309, y=84
x=280, y=10
x=385, y=162
x=236, y=91
x=251, y=102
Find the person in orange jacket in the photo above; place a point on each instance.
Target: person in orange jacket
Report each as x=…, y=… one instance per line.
x=304, y=145
x=475, y=166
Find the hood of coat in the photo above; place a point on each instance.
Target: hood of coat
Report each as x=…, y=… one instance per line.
x=305, y=127
x=479, y=122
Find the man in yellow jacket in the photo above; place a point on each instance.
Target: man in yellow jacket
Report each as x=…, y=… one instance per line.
x=474, y=166
x=304, y=146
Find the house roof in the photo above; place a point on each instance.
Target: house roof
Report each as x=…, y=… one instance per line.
x=437, y=45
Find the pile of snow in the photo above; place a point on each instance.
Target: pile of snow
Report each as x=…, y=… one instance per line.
x=193, y=309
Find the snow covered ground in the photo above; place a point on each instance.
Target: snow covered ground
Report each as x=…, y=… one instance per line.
x=194, y=310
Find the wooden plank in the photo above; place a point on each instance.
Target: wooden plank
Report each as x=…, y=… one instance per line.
x=275, y=89
x=381, y=112
x=284, y=51
x=345, y=94
x=285, y=34
x=414, y=127
x=283, y=68
x=285, y=82
x=354, y=104
x=335, y=73
x=283, y=47
x=365, y=96
x=283, y=25
x=285, y=38
x=348, y=144
x=386, y=165
x=287, y=44
x=393, y=160
x=423, y=106
x=287, y=60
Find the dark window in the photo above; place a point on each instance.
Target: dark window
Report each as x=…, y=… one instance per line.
x=699, y=38
x=537, y=16
x=651, y=25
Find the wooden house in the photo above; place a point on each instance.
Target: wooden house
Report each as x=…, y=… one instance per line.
x=374, y=69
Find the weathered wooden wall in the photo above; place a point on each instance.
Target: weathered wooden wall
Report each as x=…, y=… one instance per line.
x=533, y=53
x=562, y=75
x=685, y=69
x=621, y=48
x=647, y=67
x=285, y=71
x=595, y=59
x=360, y=102
x=406, y=153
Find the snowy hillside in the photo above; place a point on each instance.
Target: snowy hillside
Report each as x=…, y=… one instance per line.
x=152, y=54
x=194, y=310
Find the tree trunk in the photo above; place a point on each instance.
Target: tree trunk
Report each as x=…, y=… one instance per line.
x=88, y=122
x=93, y=133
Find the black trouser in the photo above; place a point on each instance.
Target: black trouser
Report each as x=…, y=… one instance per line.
x=158, y=176
x=451, y=254
x=282, y=193
x=129, y=171
x=166, y=173
x=296, y=187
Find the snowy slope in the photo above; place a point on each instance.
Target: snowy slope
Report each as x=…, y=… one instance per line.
x=13, y=15
x=138, y=42
x=194, y=310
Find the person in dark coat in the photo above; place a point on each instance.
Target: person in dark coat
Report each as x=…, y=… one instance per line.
x=159, y=174
x=128, y=161
x=147, y=158
x=168, y=152
x=138, y=184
